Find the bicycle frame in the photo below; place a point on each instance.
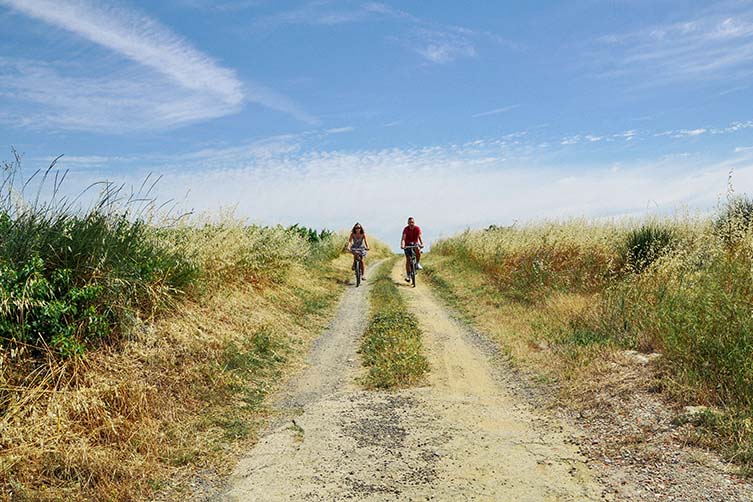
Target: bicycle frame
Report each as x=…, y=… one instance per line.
x=412, y=259
x=358, y=268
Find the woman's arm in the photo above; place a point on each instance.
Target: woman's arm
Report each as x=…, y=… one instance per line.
x=365, y=242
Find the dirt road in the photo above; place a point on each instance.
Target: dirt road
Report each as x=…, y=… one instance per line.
x=462, y=436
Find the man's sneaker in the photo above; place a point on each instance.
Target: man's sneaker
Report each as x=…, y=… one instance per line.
x=419, y=267
x=407, y=278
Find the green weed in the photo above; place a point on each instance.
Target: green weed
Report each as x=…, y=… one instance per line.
x=391, y=347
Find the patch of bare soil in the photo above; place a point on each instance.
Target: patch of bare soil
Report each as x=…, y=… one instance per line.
x=464, y=436
x=631, y=436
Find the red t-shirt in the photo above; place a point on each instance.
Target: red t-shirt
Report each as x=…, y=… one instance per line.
x=411, y=234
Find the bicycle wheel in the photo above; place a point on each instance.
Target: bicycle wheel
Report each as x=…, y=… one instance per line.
x=358, y=273
x=413, y=271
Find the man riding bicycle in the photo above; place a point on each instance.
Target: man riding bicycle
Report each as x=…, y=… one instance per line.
x=411, y=237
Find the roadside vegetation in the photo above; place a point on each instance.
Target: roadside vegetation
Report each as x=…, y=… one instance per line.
x=391, y=348
x=137, y=349
x=566, y=299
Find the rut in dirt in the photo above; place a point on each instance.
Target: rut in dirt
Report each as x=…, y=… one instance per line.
x=462, y=436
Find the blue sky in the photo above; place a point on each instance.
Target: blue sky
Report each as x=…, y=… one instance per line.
x=462, y=114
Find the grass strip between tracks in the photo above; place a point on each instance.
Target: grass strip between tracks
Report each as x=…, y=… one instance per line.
x=391, y=348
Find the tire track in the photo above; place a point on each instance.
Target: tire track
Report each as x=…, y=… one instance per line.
x=462, y=437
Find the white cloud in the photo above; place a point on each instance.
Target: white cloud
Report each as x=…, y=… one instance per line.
x=718, y=45
x=279, y=181
x=442, y=46
x=436, y=43
x=570, y=140
x=172, y=83
x=496, y=111
x=340, y=130
x=42, y=95
x=627, y=135
x=689, y=132
x=325, y=13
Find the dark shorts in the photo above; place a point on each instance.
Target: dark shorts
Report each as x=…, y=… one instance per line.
x=409, y=251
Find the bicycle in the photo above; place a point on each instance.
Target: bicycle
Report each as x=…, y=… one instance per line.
x=358, y=265
x=358, y=268
x=412, y=256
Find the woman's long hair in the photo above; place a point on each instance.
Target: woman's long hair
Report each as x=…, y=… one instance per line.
x=353, y=231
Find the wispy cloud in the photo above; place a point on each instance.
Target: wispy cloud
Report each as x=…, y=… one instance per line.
x=718, y=45
x=474, y=184
x=570, y=140
x=442, y=46
x=496, y=111
x=689, y=132
x=175, y=83
x=221, y=5
x=435, y=43
x=340, y=130
x=326, y=13
x=732, y=128
x=42, y=95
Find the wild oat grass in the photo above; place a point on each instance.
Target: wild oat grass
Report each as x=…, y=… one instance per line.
x=528, y=262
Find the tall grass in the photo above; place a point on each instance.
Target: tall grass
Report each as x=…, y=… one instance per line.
x=70, y=277
x=133, y=346
x=529, y=262
x=682, y=286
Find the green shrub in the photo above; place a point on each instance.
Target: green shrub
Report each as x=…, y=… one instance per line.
x=735, y=220
x=643, y=246
x=311, y=235
x=69, y=278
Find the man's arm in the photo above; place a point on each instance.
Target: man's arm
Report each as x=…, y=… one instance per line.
x=402, y=241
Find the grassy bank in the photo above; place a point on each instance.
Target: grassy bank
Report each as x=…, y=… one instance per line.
x=391, y=346
x=565, y=299
x=137, y=351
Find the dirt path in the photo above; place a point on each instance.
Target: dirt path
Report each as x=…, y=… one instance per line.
x=461, y=437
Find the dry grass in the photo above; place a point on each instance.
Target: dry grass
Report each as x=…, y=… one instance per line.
x=126, y=422
x=565, y=299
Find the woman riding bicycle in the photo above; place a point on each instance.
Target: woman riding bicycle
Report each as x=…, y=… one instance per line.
x=358, y=245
